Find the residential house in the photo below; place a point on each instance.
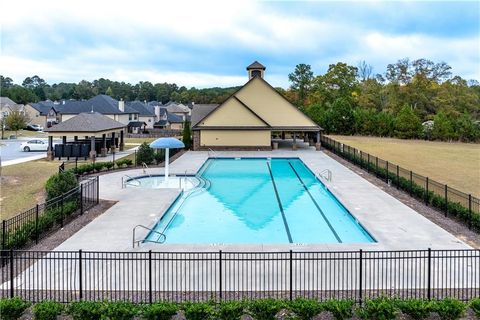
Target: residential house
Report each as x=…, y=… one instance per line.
x=7, y=106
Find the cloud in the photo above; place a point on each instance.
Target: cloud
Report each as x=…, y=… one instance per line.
x=209, y=43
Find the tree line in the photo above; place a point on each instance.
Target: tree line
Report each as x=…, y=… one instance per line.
x=34, y=89
x=411, y=100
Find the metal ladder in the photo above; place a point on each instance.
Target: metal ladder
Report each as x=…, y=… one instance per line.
x=325, y=174
x=161, y=239
x=124, y=182
x=210, y=150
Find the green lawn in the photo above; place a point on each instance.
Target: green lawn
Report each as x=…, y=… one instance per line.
x=25, y=133
x=456, y=164
x=22, y=185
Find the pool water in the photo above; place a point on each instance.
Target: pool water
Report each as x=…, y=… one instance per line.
x=259, y=200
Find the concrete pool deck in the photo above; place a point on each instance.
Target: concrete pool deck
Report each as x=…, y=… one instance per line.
x=394, y=225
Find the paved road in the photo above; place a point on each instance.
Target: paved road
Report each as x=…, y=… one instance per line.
x=10, y=152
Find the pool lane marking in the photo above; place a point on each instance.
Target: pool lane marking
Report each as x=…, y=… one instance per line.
x=316, y=204
x=280, y=204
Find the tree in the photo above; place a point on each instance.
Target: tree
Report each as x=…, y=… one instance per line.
x=187, y=135
x=145, y=154
x=364, y=71
x=407, y=124
x=5, y=82
x=467, y=129
x=339, y=82
x=109, y=92
x=442, y=127
x=339, y=117
x=301, y=79
x=60, y=183
x=16, y=121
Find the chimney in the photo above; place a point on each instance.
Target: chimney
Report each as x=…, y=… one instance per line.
x=121, y=105
x=157, y=113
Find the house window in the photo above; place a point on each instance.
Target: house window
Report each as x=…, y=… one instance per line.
x=129, y=116
x=256, y=73
x=136, y=116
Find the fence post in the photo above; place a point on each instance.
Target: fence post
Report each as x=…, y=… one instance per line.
x=411, y=182
x=220, y=275
x=81, y=199
x=429, y=274
x=446, y=200
x=98, y=189
x=398, y=177
x=150, y=299
x=36, y=224
x=61, y=210
x=291, y=275
x=360, y=279
x=368, y=165
x=135, y=158
x=387, y=174
x=426, y=192
x=12, y=293
x=80, y=276
x=376, y=166
x=4, y=234
x=469, y=211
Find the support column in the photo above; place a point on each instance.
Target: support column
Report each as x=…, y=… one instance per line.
x=283, y=135
x=305, y=137
x=93, y=153
x=50, y=153
x=294, y=146
x=75, y=138
x=64, y=140
x=113, y=143
x=318, y=144
x=122, y=145
x=311, y=141
x=104, y=145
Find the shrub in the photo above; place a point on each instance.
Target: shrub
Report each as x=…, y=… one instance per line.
x=120, y=310
x=265, y=309
x=84, y=168
x=231, y=310
x=123, y=162
x=60, y=183
x=86, y=310
x=341, y=309
x=145, y=154
x=109, y=165
x=47, y=310
x=305, y=309
x=12, y=309
x=98, y=166
x=415, y=309
x=159, y=311
x=407, y=124
x=198, y=311
x=475, y=306
x=187, y=135
x=378, y=309
x=449, y=309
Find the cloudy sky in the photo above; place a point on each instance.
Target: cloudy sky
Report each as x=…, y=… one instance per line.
x=205, y=44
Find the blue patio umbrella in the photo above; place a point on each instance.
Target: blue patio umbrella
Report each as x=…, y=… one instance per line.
x=167, y=144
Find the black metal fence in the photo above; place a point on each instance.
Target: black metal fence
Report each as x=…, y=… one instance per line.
x=197, y=276
x=37, y=222
x=450, y=201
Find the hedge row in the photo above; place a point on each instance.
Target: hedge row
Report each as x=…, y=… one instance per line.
x=266, y=309
x=455, y=209
x=100, y=166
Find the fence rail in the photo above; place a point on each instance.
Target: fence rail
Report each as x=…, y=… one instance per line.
x=147, y=277
x=37, y=222
x=451, y=202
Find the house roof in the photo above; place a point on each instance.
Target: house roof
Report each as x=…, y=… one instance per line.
x=44, y=107
x=173, y=118
x=160, y=123
x=177, y=107
x=256, y=65
x=7, y=101
x=200, y=111
x=142, y=108
x=136, y=124
x=101, y=103
x=91, y=122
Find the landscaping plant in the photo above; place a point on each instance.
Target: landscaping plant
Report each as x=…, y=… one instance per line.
x=415, y=309
x=60, y=183
x=145, y=154
x=265, y=309
x=47, y=310
x=12, y=309
x=449, y=309
x=86, y=310
x=231, y=310
x=305, y=309
x=340, y=309
x=120, y=310
x=475, y=306
x=378, y=309
x=199, y=310
x=159, y=311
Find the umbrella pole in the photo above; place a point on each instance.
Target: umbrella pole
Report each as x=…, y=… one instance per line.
x=166, y=165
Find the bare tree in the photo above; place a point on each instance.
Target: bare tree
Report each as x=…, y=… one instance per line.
x=364, y=70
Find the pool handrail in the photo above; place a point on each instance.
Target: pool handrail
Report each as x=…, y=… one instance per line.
x=144, y=167
x=162, y=235
x=124, y=182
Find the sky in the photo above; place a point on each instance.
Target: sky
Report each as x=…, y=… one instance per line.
x=206, y=43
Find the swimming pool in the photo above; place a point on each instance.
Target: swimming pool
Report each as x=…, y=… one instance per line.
x=258, y=200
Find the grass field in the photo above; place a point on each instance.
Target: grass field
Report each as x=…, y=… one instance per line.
x=456, y=164
x=22, y=185
x=25, y=133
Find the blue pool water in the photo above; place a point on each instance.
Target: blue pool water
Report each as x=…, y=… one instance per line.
x=259, y=200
